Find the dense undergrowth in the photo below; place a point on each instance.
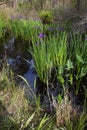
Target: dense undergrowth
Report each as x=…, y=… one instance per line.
x=59, y=56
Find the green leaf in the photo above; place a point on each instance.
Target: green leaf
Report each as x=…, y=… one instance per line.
x=61, y=79
x=79, y=58
x=60, y=70
x=69, y=64
x=83, y=72
x=43, y=121
x=71, y=79
x=29, y=120
x=59, y=98
x=32, y=92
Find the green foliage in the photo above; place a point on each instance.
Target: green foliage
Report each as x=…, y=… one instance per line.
x=8, y=123
x=2, y=26
x=43, y=121
x=46, y=16
x=77, y=53
x=59, y=49
x=23, y=6
x=48, y=53
x=27, y=123
x=67, y=56
x=78, y=124
x=26, y=29
x=19, y=115
x=13, y=112
x=69, y=60
x=42, y=57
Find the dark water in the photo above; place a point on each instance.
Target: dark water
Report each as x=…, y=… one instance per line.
x=17, y=61
x=31, y=75
x=25, y=67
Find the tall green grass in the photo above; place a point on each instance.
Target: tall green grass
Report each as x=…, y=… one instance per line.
x=58, y=51
x=67, y=57
x=3, y=25
x=26, y=29
x=42, y=58
x=77, y=54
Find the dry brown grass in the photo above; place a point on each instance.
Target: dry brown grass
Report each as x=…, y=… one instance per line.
x=7, y=12
x=66, y=110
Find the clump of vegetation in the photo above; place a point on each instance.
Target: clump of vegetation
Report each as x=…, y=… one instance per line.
x=46, y=16
x=60, y=64
x=16, y=112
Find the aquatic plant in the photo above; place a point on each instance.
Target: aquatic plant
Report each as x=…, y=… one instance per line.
x=46, y=16
x=77, y=53
x=26, y=29
x=3, y=24
x=15, y=115
x=58, y=49
x=42, y=58
x=77, y=123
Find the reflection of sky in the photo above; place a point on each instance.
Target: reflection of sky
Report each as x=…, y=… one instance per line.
x=30, y=76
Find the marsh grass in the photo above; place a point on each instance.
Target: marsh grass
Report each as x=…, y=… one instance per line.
x=78, y=52
x=78, y=123
x=26, y=29
x=58, y=49
x=48, y=51
x=42, y=59
x=69, y=60
x=16, y=112
x=2, y=26
x=46, y=16
x=67, y=117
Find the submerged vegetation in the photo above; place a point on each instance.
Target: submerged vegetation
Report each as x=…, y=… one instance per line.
x=59, y=56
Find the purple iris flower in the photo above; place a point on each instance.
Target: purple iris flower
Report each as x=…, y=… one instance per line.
x=50, y=29
x=41, y=35
x=61, y=29
x=36, y=19
x=20, y=16
x=12, y=17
